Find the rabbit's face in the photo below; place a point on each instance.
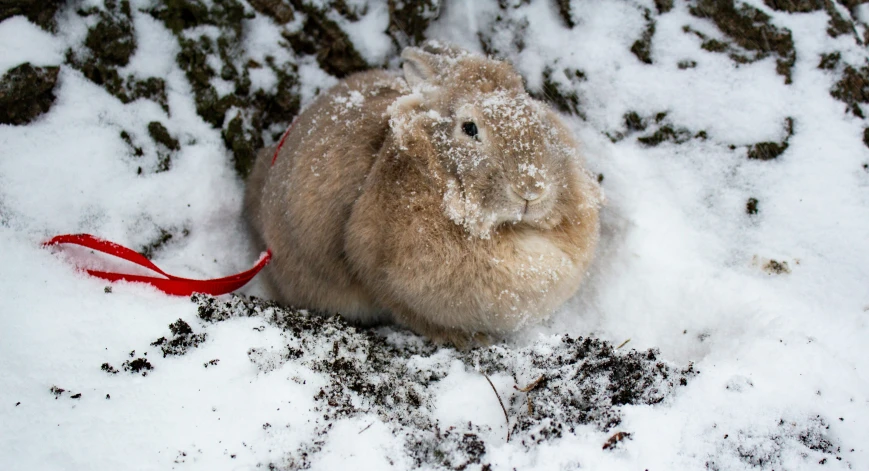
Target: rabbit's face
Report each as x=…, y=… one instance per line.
x=504, y=162
x=498, y=156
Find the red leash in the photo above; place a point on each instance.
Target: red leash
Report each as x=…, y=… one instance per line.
x=171, y=284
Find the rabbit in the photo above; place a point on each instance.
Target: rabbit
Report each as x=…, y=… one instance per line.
x=445, y=199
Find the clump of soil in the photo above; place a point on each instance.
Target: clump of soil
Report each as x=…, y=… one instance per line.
x=565, y=12
x=751, y=206
x=774, y=267
x=853, y=89
x=661, y=130
x=182, y=339
x=139, y=365
x=586, y=382
x=109, y=369
x=771, y=150
x=164, y=236
x=26, y=92
x=409, y=20
x=763, y=449
x=40, y=12
x=642, y=48
x=752, y=34
x=663, y=6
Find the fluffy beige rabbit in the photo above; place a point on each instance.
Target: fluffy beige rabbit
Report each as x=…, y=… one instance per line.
x=447, y=200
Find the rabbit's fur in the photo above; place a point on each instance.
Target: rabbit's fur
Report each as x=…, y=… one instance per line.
x=382, y=205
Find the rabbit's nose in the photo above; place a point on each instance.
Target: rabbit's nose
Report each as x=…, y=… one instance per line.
x=527, y=194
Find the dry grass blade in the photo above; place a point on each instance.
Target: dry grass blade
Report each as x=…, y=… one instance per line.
x=623, y=344
x=615, y=439
x=504, y=409
x=531, y=386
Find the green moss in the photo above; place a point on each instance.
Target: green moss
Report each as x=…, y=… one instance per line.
x=242, y=146
x=112, y=39
x=795, y=6
x=642, y=48
x=276, y=9
x=633, y=122
x=751, y=30
x=663, y=6
x=408, y=21
x=137, y=151
x=26, y=92
x=766, y=150
x=714, y=45
x=324, y=39
x=666, y=133
x=687, y=64
x=565, y=13
x=563, y=97
x=830, y=61
x=866, y=137
x=161, y=135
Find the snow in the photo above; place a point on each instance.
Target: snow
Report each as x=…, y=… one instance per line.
x=680, y=267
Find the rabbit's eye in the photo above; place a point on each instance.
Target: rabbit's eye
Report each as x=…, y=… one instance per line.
x=470, y=129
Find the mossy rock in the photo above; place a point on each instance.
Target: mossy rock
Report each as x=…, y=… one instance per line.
x=26, y=92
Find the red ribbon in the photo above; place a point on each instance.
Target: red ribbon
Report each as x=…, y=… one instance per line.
x=174, y=285
x=281, y=143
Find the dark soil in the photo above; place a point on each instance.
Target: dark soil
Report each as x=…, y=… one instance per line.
x=163, y=238
x=26, y=92
x=751, y=206
x=586, y=382
x=752, y=34
x=853, y=89
x=323, y=38
x=139, y=365
x=642, y=48
x=40, y=12
x=182, y=340
x=559, y=89
x=409, y=20
x=771, y=150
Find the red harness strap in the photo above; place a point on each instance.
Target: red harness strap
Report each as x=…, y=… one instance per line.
x=169, y=285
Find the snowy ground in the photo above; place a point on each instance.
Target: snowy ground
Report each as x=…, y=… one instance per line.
x=756, y=271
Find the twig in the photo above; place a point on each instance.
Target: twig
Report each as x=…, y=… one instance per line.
x=530, y=407
x=615, y=439
x=366, y=428
x=531, y=386
x=623, y=344
x=507, y=419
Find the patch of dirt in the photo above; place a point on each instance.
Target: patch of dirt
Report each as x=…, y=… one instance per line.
x=753, y=37
x=139, y=365
x=324, y=39
x=182, y=340
x=40, y=12
x=660, y=130
x=390, y=376
x=108, y=46
x=565, y=12
x=642, y=48
x=771, y=150
x=559, y=89
x=751, y=206
x=26, y=92
x=109, y=369
x=774, y=267
x=164, y=236
x=853, y=89
x=764, y=449
x=409, y=20
x=837, y=25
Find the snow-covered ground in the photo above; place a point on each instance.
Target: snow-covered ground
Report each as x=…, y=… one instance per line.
x=756, y=271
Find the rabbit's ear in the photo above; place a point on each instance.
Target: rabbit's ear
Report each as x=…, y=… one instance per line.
x=419, y=65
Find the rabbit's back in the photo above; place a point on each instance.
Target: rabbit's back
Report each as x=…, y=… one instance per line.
x=299, y=205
